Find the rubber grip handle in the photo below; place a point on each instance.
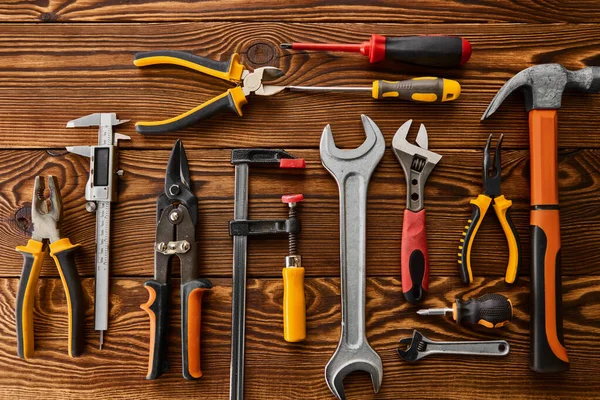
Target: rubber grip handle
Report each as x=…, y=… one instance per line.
x=157, y=308
x=548, y=353
x=414, y=256
x=433, y=51
x=63, y=253
x=191, y=315
x=294, y=305
x=480, y=206
x=421, y=90
x=33, y=258
x=501, y=207
x=232, y=100
x=231, y=70
x=491, y=310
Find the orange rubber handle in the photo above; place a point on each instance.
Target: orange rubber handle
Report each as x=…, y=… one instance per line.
x=191, y=315
x=548, y=353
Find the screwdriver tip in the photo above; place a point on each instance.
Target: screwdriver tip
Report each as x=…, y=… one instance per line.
x=286, y=45
x=101, y=339
x=423, y=312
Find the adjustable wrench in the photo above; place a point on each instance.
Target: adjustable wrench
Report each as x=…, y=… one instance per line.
x=417, y=163
x=352, y=170
x=419, y=346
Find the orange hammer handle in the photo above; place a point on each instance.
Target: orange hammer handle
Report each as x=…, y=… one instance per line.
x=548, y=353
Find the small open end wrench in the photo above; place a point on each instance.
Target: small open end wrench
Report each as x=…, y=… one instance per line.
x=417, y=162
x=352, y=170
x=419, y=346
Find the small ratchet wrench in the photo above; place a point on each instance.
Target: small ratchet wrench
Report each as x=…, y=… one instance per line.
x=419, y=346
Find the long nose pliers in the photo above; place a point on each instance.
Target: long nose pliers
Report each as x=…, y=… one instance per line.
x=492, y=177
x=247, y=83
x=45, y=216
x=177, y=215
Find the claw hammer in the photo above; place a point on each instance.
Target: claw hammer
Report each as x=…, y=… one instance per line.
x=543, y=86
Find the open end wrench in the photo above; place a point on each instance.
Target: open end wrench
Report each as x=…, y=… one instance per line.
x=419, y=346
x=352, y=170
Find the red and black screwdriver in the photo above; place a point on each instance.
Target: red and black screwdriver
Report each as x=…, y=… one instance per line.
x=432, y=51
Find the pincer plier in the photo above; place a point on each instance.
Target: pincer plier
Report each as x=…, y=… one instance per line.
x=492, y=177
x=45, y=217
x=247, y=83
x=177, y=216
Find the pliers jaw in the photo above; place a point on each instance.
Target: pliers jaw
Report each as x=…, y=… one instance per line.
x=492, y=171
x=253, y=81
x=46, y=213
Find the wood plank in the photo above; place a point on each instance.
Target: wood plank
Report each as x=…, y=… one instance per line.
x=54, y=73
x=275, y=369
x=302, y=11
x=449, y=189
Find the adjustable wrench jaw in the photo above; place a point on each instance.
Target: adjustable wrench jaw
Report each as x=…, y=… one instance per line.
x=417, y=163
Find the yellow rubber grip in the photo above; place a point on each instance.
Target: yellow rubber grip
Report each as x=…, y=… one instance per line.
x=33, y=258
x=294, y=305
x=501, y=206
x=480, y=207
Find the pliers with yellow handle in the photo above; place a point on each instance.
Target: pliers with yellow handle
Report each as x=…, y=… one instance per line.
x=492, y=177
x=46, y=228
x=248, y=82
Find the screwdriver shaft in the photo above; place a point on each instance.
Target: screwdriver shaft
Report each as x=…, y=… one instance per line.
x=331, y=88
x=435, y=311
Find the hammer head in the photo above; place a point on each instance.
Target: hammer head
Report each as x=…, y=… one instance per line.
x=543, y=86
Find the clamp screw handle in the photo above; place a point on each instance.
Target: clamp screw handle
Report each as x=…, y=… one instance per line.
x=292, y=199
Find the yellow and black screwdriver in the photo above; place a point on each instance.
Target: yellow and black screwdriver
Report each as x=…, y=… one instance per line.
x=425, y=89
x=491, y=310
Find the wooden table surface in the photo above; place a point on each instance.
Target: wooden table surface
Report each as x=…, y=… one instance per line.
x=60, y=60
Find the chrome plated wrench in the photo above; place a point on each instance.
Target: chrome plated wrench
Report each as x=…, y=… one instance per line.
x=352, y=170
x=419, y=346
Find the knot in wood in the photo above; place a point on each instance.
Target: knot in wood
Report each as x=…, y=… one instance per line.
x=261, y=53
x=23, y=218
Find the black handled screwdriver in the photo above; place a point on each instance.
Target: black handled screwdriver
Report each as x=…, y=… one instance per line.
x=433, y=51
x=491, y=310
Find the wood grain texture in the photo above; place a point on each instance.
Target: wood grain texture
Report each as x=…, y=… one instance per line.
x=455, y=181
x=303, y=11
x=279, y=370
x=54, y=73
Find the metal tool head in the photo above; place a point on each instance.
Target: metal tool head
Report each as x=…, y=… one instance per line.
x=96, y=119
x=178, y=186
x=346, y=360
x=416, y=161
x=492, y=171
x=416, y=345
x=543, y=86
x=253, y=81
x=46, y=212
x=369, y=153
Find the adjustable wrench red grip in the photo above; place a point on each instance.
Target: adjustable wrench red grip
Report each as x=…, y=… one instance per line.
x=414, y=256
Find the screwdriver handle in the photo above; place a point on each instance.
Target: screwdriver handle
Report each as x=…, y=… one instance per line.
x=433, y=51
x=424, y=89
x=491, y=310
x=294, y=305
x=414, y=256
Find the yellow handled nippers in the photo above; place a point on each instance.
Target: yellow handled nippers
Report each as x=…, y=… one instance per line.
x=492, y=176
x=248, y=82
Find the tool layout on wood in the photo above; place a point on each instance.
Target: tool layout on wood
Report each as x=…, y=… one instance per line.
x=176, y=220
x=46, y=217
x=417, y=163
x=100, y=191
x=352, y=170
x=240, y=228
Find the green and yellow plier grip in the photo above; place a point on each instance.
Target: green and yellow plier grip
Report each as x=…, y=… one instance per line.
x=232, y=100
x=62, y=251
x=480, y=207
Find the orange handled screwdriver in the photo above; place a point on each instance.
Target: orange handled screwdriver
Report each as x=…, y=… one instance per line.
x=491, y=310
x=432, y=51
